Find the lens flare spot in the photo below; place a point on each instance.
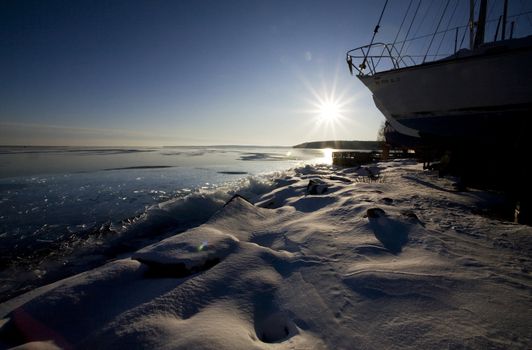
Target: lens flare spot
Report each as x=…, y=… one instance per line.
x=203, y=246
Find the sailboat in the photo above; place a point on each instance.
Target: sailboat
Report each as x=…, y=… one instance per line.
x=480, y=94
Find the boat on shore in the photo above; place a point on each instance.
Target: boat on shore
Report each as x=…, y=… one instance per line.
x=480, y=94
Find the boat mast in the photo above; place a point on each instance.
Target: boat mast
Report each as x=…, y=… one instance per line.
x=504, y=16
x=471, y=23
x=479, y=37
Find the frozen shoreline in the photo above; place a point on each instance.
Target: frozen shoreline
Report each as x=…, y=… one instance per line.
x=82, y=214
x=400, y=261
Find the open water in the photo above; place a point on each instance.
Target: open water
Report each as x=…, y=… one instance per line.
x=66, y=209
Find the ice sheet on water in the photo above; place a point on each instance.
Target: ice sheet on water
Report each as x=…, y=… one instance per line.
x=77, y=221
x=261, y=156
x=61, y=208
x=61, y=149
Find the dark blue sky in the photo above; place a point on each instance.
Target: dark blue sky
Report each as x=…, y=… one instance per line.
x=188, y=72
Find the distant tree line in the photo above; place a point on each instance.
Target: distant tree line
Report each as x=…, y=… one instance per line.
x=354, y=145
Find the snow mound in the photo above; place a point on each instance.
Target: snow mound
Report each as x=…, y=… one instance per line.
x=393, y=234
x=193, y=251
x=400, y=262
x=382, y=284
x=38, y=345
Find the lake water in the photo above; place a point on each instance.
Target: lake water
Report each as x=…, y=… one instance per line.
x=66, y=209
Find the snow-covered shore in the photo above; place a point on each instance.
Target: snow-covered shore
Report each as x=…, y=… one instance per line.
x=396, y=260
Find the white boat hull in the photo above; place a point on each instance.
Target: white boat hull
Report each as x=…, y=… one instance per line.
x=478, y=96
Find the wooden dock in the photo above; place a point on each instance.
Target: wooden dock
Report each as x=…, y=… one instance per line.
x=347, y=159
x=354, y=158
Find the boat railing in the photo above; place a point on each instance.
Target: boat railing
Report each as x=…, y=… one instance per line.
x=372, y=57
x=378, y=57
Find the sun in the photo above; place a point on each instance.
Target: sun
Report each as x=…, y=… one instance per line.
x=328, y=108
x=329, y=111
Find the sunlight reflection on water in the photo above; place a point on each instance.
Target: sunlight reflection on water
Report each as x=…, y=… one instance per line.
x=327, y=156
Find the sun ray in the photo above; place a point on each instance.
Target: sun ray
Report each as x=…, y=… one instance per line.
x=330, y=106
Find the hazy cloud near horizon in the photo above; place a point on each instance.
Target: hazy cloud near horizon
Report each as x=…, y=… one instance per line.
x=37, y=135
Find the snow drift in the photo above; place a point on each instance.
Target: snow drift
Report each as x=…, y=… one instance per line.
x=399, y=260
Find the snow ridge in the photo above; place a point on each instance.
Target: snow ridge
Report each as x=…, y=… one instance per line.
x=400, y=261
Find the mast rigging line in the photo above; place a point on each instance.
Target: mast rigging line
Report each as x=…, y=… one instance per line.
x=437, y=27
x=425, y=14
x=448, y=25
x=396, y=35
x=397, y=57
x=522, y=8
x=491, y=6
x=454, y=28
x=363, y=64
x=409, y=27
x=403, y=22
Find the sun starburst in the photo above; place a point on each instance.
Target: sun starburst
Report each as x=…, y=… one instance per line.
x=329, y=111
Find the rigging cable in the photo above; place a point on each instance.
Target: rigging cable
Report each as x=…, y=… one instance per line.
x=464, y=26
x=421, y=23
x=437, y=27
x=403, y=22
x=447, y=29
x=363, y=64
x=491, y=6
x=526, y=14
x=396, y=63
x=408, y=31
